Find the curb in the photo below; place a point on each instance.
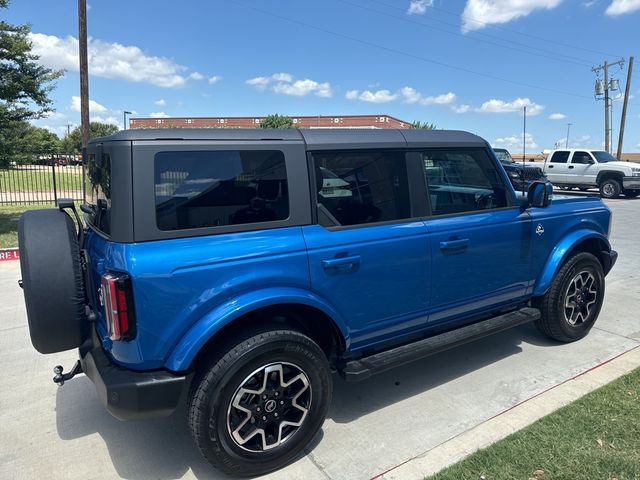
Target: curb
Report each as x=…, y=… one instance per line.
x=514, y=418
x=9, y=254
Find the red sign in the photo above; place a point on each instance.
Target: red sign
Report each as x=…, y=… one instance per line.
x=9, y=254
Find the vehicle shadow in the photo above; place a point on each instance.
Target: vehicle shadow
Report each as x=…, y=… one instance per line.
x=163, y=448
x=592, y=193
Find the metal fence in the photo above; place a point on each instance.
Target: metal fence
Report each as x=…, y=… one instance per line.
x=47, y=179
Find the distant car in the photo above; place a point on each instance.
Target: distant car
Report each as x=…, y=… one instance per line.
x=521, y=176
x=584, y=169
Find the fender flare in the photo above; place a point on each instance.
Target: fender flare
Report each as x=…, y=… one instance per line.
x=204, y=329
x=560, y=254
x=608, y=173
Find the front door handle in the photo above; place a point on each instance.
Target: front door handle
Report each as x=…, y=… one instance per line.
x=550, y=166
x=342, y=263
x=454, y=245
x=570, y=166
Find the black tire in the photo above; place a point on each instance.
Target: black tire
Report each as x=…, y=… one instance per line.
x=52, y=280
x=631, y=193
x=610, y=188
x=555, y=317
x=212, y=416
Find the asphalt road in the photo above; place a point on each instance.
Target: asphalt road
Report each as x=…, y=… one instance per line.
x=51, y=432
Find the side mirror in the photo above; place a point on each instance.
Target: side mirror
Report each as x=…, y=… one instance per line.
x=591, y=161
x=540, y=194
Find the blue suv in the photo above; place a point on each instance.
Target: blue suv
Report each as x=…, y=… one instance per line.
x=244, y=267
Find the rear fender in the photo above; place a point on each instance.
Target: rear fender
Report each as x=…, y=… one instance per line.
x=202, y=331
x=561, y=252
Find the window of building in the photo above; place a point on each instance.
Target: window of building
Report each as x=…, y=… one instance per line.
x=209, y=189
x=462, y=180
x=354, y=188
x=559, y=157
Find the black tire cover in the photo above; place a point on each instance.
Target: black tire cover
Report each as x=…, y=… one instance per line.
x=52, y=280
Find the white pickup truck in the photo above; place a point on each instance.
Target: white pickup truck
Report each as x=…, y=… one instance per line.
x=584, y=169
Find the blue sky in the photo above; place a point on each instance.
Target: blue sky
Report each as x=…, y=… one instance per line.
x=464, y=64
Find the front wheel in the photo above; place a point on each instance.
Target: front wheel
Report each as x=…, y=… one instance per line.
x=573, y=302
x=258, y=404
x=610, y=188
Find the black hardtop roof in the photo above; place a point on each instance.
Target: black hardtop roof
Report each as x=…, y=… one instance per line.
x=319, y=138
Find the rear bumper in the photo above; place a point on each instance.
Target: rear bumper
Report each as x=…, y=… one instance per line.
x=130, y=395
x=608, y=260
x=631, y=183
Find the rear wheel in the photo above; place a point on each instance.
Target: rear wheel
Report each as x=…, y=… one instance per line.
x=631, y=193
x=610, y=188
x=571, y=306
x=258, y=403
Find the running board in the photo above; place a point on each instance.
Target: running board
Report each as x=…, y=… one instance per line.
x=363, y=368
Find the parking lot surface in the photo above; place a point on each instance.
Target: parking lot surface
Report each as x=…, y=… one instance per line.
x=52, y=432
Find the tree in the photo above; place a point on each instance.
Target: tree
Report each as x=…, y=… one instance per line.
x=277, y=121
x=72, y=143
x=423, y=125
x=24, y=83
x=21, y=142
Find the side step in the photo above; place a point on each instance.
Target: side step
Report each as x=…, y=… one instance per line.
x=363, y=368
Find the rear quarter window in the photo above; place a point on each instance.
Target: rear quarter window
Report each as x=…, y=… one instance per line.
x=559, y=157
x=201, y=189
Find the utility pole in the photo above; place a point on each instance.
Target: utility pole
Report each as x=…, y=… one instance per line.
x=605, y=67
x=84, y=75
x=69, y=125
x=566, y=142
x=623, y=117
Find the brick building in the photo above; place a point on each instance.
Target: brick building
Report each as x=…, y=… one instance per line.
x=317, y=121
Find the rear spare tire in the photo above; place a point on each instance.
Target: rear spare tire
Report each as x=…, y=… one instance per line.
x=52, y=280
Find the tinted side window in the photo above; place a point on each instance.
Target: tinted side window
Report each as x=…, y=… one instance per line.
x=581, y=157
x=462, y=180
x=208, y=189
x=559, y=157
x=354, y=188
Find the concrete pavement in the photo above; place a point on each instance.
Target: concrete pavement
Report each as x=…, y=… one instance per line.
x=373, y=427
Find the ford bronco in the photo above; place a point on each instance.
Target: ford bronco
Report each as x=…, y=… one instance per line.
x=243, y=267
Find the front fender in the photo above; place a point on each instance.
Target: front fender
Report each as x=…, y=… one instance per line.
x=204, y=329
x=560, y=254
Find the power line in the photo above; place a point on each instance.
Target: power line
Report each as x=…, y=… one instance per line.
x=407, y=54
x=546, y=53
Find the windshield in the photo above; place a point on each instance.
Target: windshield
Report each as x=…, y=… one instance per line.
x=503, y=155
x=604, y=157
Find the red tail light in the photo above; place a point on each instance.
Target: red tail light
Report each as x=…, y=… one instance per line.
x=118, y=305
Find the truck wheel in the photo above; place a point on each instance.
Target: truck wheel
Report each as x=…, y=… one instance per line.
x=259, y=401
x=631, y=193
x=571, y=306
x=610, y=188
x=52, y=280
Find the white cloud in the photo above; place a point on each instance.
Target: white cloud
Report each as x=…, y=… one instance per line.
x=411, y=95
x=214, y=79
x=109, y=60
x=379, y=96
x=111, y=119
x=515, y=142
x=196, y=76
x=419, y=7
x=621, y=7
x=557, y=116
x=285, y=83
x=464, y=108
x=583, y=141
x=501, y=106
x=94, y=107
x=158, y=115
x=478, y=14
x=160, y=103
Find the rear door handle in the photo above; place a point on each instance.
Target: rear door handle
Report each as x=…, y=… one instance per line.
x=550, y=166
x=570, y=166
x=343, y=263
x=454, y=245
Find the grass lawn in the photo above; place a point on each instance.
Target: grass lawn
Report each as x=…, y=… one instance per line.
x=9, y=215
x=594, y=438
x=40, y=178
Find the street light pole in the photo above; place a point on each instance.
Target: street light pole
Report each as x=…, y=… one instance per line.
x=566, y=143
x=124, y=119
